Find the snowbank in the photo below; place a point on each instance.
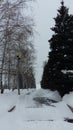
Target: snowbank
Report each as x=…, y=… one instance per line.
x=29, y=115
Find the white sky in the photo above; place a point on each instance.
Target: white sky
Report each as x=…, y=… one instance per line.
x=45, y=11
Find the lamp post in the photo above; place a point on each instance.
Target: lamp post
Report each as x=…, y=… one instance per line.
x=18, y=55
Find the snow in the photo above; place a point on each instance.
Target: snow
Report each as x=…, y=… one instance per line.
x=68, y=98
x=31, y=114
x=67, y=71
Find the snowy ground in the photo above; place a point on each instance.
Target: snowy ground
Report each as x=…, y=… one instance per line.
x=34, y=111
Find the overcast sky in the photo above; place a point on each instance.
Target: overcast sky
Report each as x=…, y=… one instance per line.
x=45, y=11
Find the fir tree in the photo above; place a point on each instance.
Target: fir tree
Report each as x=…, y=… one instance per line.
x=58, y=70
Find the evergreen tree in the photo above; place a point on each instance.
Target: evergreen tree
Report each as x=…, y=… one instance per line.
x=59, y=68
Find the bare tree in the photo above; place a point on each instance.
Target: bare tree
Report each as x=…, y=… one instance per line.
x=15, y=42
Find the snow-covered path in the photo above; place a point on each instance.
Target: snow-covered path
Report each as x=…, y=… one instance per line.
x=31, y=115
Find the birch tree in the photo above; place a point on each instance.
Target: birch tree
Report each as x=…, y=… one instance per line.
x=15, y=37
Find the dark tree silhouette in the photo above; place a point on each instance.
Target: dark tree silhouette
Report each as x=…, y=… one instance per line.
x=58, y=72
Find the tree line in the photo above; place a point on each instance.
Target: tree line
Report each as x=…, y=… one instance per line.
x=16, y=48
